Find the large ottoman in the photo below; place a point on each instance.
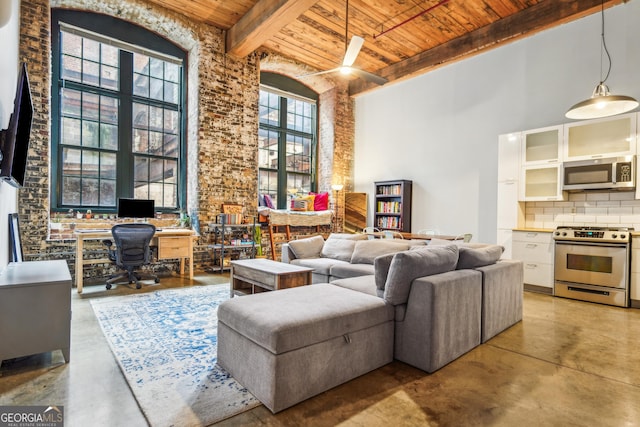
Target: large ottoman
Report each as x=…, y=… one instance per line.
x=289, y=345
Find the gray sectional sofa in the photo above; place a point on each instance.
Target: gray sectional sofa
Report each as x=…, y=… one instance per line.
x=422, y=305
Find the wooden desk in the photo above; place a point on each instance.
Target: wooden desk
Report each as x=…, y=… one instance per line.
x=173, y=243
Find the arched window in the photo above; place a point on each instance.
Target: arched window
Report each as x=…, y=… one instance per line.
x=118, y=126
x=286, y=138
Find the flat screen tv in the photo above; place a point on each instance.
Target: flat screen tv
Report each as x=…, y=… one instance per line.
x=15, y=139
x=136, y=208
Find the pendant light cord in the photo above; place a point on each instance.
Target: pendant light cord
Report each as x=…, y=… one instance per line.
x=604, y=48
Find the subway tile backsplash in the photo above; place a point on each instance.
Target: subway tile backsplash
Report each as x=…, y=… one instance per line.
x=615, y=209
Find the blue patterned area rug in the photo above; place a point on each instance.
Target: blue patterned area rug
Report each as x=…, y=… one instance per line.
x=166, y=345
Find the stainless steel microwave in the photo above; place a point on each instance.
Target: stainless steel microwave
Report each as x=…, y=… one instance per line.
x=616, y=173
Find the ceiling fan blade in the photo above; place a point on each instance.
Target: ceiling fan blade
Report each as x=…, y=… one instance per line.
x=370, y=77
x=352, y=51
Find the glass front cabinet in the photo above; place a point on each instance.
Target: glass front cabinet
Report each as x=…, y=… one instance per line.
x=542, y=146
x=608, y=137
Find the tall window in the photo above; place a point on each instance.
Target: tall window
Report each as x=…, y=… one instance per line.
x=117, y=121
x=287, y=144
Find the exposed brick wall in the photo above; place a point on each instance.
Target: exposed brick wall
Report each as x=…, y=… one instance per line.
x=222, y=120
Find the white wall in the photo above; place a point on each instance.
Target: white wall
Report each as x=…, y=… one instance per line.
x=441, y=129
x=8, y=81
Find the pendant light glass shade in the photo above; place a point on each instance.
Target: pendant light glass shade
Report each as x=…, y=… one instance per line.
x=601, y=104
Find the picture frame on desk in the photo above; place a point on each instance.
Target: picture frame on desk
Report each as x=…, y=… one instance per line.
x=14, y=238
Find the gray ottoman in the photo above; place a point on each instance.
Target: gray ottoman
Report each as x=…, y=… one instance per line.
x=289, y=345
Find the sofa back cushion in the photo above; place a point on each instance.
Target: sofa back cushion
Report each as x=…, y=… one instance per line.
x=366, y=251
x=381, y=267
x=340, y=249
x=474, y=255
x=347, y=236
x=310, y=247
x=409, y=265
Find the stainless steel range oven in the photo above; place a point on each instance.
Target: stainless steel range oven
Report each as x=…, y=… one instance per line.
x=592, y=264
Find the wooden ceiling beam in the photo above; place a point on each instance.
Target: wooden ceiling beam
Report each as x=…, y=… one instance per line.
x=265, y=19
x=531, y=20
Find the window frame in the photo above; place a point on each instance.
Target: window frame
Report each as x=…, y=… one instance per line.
x=144, y=41
x=286, y=88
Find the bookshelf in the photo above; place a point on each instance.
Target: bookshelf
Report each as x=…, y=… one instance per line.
x=392, y=209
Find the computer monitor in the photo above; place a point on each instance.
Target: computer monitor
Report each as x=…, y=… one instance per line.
x=136, y=208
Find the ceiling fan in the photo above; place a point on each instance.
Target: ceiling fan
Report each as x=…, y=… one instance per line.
x=350, y=55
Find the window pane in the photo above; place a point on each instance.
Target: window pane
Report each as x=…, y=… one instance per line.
x=156, y=68
x=71, y=44
x=71, y=68
x=140, y=63
x=170, y=196
x=70, y=131
x=107, y=193
x=108, y=109
x=91, y=50
x=71, y=161
x=140, y=115
x=71, y=191
x=171, y=145
x=90, y=73
x=90, y=191
x=140, y=141
x=110, y=55
x=90, y=137
x=71, y=101
x=141, y=169
x=108, y=166
x=90, y=164
x=108, y=137
x=90, y=106
x=171, y=121
x=140, y=85
x=155, y=118
x=268, y=152
x=155, y=143
x=109, y=77
x=172, y=72
x=141, y=191
x=171, y=92
x=155, y=89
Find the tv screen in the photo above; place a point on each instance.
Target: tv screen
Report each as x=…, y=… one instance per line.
x=15, y=139
x=136, y=208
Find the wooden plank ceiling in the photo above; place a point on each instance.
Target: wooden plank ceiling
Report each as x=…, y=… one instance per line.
x=403, y=38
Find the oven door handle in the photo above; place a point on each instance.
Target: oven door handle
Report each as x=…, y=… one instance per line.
x=604, y=245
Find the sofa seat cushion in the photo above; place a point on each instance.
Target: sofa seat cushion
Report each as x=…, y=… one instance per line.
x=346, y=270
x=319, y=265
x=364, y=284
x=366, y=251
x=294, y=318
x=409, y=265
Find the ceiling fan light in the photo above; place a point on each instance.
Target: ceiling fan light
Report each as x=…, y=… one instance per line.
x=345, y=70
x=601, y=104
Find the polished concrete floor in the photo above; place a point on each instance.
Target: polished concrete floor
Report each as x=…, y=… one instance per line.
x=568, y=363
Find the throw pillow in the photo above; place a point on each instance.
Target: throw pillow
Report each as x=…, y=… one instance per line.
x=309, y=247
x=366, y=251
x=340, y=249
x=299, y=205
x=474, y=257
x=321, y=202
x=409, y=265
x=381, y=267
x=268, y=201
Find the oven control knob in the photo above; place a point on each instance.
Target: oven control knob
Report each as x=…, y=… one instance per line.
x=622, y=236
x=564, y=233
x=614, y=235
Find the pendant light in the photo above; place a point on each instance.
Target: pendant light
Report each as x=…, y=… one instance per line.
x=602, y=103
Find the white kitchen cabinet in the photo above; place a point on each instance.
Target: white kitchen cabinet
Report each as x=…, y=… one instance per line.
x=510, y=211
x=539, y=183
x=535, y=250
x=608, y=137
x=542, y=146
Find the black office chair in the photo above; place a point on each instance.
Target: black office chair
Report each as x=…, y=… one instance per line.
x=131, y=251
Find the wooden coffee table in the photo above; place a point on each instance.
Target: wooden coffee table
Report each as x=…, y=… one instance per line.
x=249, y=276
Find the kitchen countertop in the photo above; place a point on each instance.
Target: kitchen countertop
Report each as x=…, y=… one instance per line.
x=536, y=230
